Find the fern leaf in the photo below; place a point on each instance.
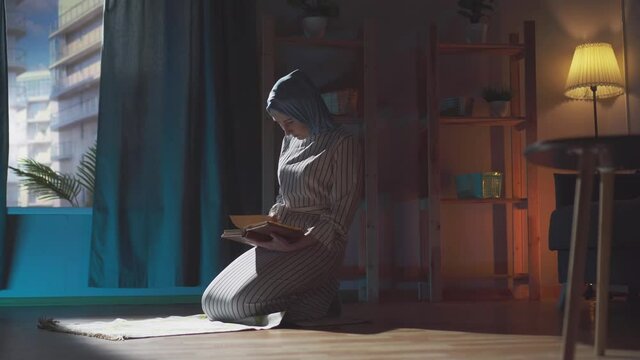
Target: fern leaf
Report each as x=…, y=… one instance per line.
x=46, y=183
x=87, y=169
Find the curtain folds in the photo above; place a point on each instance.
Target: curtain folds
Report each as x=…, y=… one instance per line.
x=5, y=251
x=178, y=139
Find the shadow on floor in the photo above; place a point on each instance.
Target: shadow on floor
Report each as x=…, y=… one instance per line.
x=507, y=317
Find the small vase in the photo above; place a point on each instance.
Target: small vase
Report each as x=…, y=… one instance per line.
x=499, y=108
x=476, y=33
x=314, y=26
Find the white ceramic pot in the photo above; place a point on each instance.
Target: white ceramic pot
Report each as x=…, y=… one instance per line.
x=314, y=26
x=499, y=108
x=476, y=33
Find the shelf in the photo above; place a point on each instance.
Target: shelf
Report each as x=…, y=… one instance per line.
x=492, y=49
x=475, y=277
x=520, y=246
x=483, y=201
x=302, y=41
x=517, y=277
x=481, y=121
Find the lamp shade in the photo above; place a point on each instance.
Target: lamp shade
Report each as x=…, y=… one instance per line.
x=594, y=64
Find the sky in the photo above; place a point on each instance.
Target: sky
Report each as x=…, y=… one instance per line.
x=39, y=15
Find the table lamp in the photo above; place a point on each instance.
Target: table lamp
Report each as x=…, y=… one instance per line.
x=594, y=69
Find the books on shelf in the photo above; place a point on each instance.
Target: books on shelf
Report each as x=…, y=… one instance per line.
x=257, y=228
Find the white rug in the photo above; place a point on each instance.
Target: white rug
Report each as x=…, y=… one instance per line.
x=122, y=329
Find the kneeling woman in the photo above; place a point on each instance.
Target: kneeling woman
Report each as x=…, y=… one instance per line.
x=319, y=174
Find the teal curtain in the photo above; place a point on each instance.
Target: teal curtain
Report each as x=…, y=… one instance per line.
x=178, y=139
x=5, y=252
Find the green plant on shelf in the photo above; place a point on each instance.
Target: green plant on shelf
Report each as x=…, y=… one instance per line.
x=475, y=10
x=490, y=94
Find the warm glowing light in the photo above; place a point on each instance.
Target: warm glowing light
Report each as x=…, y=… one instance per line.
x=594, y=64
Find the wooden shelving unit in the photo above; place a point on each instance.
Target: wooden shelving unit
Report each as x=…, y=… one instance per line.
x=521, y=129
x=483, y=201
x=481, y=121
x=516, y=50
x=302, y=41
x=368, y=268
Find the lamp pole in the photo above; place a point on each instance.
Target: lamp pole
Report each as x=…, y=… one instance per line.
x=594, y=88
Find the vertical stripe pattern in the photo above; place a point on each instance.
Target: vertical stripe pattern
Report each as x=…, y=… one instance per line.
x=320, y=180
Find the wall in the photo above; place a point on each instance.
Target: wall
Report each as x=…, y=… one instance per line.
x=560, y=27
x=401, y=33
x=632, y=37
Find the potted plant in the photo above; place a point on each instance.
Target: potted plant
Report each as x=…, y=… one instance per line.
x=49, y=184
x=475, y=11
x=498, y=99
x=315, y=14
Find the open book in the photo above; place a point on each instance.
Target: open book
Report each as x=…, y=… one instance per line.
x=256, y=228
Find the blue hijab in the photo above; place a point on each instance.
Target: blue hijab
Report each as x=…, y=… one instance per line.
x=296, y=96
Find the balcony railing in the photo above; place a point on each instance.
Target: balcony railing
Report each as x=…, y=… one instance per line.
x=62, y=151
x=39, y=90
x=85, y=42
x=75, y=113
x=40, y=116
x=75, y=13
x=39, y=138
x=15, y=59
x=16, y=22
x=89, y=74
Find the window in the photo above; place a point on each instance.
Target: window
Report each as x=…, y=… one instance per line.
x=54, y=74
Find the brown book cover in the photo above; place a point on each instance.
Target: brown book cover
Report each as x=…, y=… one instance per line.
x=261, y=231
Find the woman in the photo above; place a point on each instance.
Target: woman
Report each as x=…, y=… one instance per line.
x=319, y=176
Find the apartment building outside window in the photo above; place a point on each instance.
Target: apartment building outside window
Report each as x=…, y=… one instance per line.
x=54, y=49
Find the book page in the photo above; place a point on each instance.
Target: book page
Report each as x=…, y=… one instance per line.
x=242, y=221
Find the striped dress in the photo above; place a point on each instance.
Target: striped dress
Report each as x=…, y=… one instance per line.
x=320, y=179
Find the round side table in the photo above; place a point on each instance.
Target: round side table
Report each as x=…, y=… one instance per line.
x=588, y=155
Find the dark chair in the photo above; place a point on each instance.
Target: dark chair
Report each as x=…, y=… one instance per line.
x=625, y=242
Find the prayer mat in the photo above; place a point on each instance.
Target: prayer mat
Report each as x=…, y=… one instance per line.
x=122, y=329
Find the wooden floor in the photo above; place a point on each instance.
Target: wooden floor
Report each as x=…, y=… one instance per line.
x=397, y=330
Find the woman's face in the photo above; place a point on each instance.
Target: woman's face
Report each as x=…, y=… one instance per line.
x=289, y=125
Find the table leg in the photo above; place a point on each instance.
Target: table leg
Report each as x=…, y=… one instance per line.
x=604, y=257
x=578, y=252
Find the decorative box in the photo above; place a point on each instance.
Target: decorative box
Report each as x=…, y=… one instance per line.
x=479, y=185
x=456, y=106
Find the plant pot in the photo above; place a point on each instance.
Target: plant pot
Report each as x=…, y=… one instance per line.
x=499, y=108
x=476, y=33
x=314, y=26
